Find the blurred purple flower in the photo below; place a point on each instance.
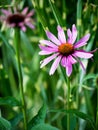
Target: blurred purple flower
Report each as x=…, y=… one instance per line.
x=18, y=19
x=64, y=51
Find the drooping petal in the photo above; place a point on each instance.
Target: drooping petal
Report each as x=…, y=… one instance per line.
x=47, y=60
x=23, y=28
x=83, y=54
x=71, y=59
x=52, y=38
x=69, y=69
x=55, y=65
x=74, y=33
x=81, y=65
x=48, y=43
x=64, y=61
x=69, y=33
x=30, y=25
x=49, y=49
x=82, y=41
x=61, y=35
x=25, y=10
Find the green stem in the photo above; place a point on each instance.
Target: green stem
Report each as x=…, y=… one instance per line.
x=17, y=43
x=68, y=103
x=97, y=111
x=79, y=24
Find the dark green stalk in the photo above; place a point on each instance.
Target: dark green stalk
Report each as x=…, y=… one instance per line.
x=17, y=43
x=68, y=103
x=79, y=18
x=79, y=23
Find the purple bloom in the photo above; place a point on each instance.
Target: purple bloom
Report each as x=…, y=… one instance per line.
x=17, y=19
x=65, y=52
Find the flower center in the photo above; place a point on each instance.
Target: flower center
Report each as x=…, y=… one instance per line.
x=66, y=48
x=15, y=18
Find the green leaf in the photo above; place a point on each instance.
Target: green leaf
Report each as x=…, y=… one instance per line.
x=83, y=116
x=4, y=124
x=79, y=115
x=89, y=76
x=72, y=122
x=43, y=126
x=10, y=50
x=16, y=119
x=9, y=101
x=56, y=12
x=41, y=17
x=6, y=43
x=26, y=43
x=4, y=3
x=39, y=118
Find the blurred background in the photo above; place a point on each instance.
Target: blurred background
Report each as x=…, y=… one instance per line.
x=39, y=87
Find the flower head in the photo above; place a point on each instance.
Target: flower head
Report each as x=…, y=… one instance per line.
x=65, y=52
x=17, y=19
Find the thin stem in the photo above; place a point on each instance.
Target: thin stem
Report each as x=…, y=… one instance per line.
x=97, y=111
x=68, y=103
x=17, y=43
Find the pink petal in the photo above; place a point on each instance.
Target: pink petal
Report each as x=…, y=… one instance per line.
x=47, y=60
x=45, y=52
x=2, y=18
x=64, y=61
x=48, y=43
x=71, y=59
x=21, y=24
x=83, y=54
x=74, y=33
x=69, y=69
x=30, y=13
x=50, y=49
x=12, y=25
x=61, y=35
x=69, y=33
x=82, y=41
x=6, y=12
x=25, y=10
x=52, y=38
x=55, y=65
x=30, y=25
x=23, y=28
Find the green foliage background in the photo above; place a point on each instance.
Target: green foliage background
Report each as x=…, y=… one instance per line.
x=39, y=87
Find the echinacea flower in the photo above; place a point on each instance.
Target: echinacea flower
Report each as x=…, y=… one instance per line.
x=65, y=52
x=18, y=19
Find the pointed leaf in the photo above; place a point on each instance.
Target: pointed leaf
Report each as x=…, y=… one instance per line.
x=79, y=115
x=39, y=118
x=4, y=124
x=9, y=101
